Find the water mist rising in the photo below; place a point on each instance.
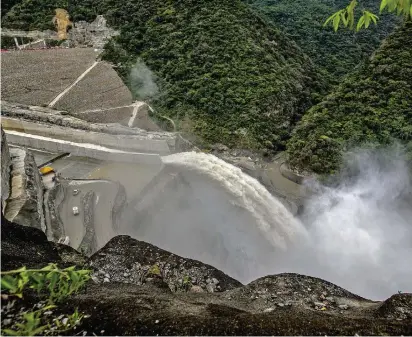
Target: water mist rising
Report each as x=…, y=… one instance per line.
x=361, y=229
x=357, y=234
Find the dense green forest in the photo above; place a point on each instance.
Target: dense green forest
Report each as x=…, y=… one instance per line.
x=336, y=54
x=225, y=73
x=372, y=106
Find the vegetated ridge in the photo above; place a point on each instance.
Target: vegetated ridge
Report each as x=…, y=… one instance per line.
x=225, y=73
x=336, y=54
x=372, y=106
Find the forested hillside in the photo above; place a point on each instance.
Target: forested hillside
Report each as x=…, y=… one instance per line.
x=220, y=66
x=372, y=106
x=336, y=54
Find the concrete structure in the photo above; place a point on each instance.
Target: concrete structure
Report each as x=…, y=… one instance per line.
x=37, y=77
x=123, y=142
x=80, y=149
x=94, y=34
x=33, y=34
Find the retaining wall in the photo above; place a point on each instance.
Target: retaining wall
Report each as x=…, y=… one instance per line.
x=80, y=149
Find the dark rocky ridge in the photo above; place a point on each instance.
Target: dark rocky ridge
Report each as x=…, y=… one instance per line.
x=284, y=304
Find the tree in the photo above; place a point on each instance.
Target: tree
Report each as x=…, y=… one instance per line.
x=346, y=16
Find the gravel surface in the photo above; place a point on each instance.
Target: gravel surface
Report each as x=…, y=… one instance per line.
x=38, y=76
x=101, y=88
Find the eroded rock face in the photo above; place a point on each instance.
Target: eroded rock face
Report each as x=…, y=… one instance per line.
x=25, y=203
x=5, y=169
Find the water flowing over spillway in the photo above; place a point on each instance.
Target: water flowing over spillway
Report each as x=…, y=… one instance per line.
x=209, y=210
x=357, y=234
x=272, y=218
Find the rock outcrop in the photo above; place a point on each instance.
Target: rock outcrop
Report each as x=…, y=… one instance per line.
x=25, y=203
x=5, y=169
x=94, y=34
x=127, y=260
x=25, y=246
x=145, y=301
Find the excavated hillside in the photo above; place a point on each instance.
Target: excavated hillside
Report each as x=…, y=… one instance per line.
x=371, y=107
x=225, y=74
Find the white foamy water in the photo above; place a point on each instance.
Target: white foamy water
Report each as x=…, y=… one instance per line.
x=273, y=219
x=357, y=234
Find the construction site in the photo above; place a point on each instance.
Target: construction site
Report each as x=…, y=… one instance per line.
x=92, y=154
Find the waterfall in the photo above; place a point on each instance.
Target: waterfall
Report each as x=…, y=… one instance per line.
x=272, y=217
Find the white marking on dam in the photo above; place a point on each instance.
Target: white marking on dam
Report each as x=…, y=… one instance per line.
x=80, y=149
x=65, y=91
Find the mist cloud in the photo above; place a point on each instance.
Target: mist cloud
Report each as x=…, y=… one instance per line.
x=361, y=229
x=142, y=81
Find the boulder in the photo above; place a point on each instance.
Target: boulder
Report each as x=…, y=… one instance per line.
x=25, y=203
x=127, y=260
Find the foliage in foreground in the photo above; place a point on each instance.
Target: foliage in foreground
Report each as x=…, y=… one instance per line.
x=56, y=283
x=335, y=54
x=371, y=107
x=346, y=16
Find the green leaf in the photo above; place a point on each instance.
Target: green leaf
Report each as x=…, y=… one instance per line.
x=367, y=20
x=9, y=282
x=384, y=3
x=374, y=18
x=336, y=22
x=38, y=330
x=360, y=24
x=329, y=19
x=11, y=332
x=345, y=20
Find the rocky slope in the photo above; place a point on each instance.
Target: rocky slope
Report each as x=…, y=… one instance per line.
x=141, y=289
x=371, y=107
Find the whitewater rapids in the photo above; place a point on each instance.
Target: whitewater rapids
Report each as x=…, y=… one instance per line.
x=273, y=219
